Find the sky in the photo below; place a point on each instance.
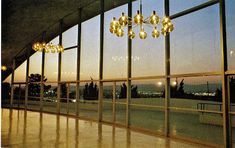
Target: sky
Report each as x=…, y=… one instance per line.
x=195, y=45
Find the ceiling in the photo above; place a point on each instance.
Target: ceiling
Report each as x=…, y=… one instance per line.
x=23, y=22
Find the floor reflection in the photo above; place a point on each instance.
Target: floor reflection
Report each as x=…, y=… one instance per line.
x=22, y=128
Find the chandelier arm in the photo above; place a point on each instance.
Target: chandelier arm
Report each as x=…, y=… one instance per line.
x=147, y=19
x=149, y=25
x=134, y=26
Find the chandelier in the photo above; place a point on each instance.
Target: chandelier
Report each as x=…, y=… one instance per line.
x=117, y=26
x=48, y=47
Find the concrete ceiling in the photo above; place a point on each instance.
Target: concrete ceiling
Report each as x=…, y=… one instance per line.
x=23, y=22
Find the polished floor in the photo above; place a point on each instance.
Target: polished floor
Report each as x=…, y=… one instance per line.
x=31, y=129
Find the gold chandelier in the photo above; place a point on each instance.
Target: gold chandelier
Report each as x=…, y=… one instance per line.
x=117, y=26
x=47, y=47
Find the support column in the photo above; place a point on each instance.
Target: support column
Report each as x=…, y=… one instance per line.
x=129, y=54
x=59, y=68
x=224, y=66
x=78, y=60
x=167, y=73
x=12, y=82
x=67, y=100
x=42, y=78
x=100, y=107
x=114, y=102
x=27, y=81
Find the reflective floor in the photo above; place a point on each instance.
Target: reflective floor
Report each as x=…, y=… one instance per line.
x=31, y=129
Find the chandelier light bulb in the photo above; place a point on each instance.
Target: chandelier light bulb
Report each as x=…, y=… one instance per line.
x=138, y=18
x=170, y=27
x=154, y=19
x=3, y=68
x=47, y=50
x=163, y=31
x=142, y=34
x=120, y=32
x=53, y=49
x=59, y=48
x=114, y=25
x=155, y=33
x=165, y=21
x=43, y=44
x=123, y=20
x=40, y=47
x=34, y=47
x=131, y=34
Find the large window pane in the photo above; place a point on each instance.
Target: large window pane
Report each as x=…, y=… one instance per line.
x=20, y=73
x=70, y=37
x=181, y=5
x=35, y=63
x=196, y=93
x=148, y=55
x=88, y=105
x=69, y=65
x=195, y=42
x=51, y=66
x=197, y=125
x=115, y=48
x=230, y=18
x=18, y=95
x=90, y=49
x=50, y=97
x=147, y=105
x=34, y=78
x=8, y=79
x=196, y=108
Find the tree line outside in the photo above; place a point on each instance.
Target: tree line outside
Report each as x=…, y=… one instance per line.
x=90, y=91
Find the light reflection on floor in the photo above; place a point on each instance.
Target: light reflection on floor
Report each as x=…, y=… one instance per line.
x=31, y=129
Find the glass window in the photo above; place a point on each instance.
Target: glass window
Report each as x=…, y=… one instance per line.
x=88, y=105
x=8, y=79
x=147, y=104
x=196, y=93
x=230, y=18
x=69, y=65
x=20, y=73
x=35, y=63
x=51, y=66
x=70, y=37
x=115, y=48
x=55, y=41
x=192, y=99
x=181, y=5
x=206, y=127
x=195, y=42
x=90, y=51
x=148, y=54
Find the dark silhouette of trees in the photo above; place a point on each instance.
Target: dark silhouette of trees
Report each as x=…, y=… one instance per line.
x=6, y=89
x=134, y=91
x=232, y=89
x=34, y=87
x=218, y=95
x=90, y=91
x=218, y=92
x=63, y=92
x=123, y=92
x=177, y=91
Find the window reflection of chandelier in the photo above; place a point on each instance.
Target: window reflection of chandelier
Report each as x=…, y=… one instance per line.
x=48, y=47
x=117, y=26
